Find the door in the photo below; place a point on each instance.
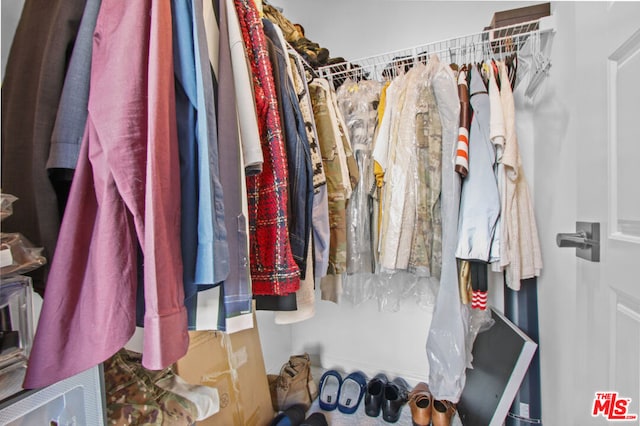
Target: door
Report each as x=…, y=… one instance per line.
x=607, y=155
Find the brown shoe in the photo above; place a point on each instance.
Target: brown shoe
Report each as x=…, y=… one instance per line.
x=294, y=384
x=442, y=412
x=420, y=402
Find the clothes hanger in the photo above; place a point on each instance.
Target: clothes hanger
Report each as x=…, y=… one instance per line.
x=309, y=71
x=511, y=62
x=310, y=74
x=452, y=60
x=542, y=64
x=465, y=58
x=513, y=69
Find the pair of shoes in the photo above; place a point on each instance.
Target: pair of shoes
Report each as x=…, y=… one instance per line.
x=421, y=404
x=386, y=396
x=345, y=395
x=294, y=416
x=442, y=412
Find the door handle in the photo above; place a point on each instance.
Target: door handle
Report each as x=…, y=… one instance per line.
x=586, y=240
x=576, y=239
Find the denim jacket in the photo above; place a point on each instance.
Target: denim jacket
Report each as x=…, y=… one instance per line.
x=298, y=152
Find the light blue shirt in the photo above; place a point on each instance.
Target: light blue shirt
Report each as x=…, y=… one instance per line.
x=186, y=112
x=480, y=200
x=212, y=265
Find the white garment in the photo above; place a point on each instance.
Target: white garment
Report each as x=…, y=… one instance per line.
x=212, y=31
x=400, y=176
x=305, y=297
x=520, y=235
x=497, y=136
x=243, y=82
x=381, y=151
x=381, y=143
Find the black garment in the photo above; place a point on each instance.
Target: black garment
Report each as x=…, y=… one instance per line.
x=31, y=90
x=478, y=276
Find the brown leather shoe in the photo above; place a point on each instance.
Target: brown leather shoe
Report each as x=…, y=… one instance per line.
x=421, y=402
x=442, y=412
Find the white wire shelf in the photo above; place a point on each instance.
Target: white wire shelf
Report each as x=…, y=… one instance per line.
x=492, y=43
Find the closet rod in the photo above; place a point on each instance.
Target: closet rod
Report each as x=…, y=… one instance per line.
x=506, y=40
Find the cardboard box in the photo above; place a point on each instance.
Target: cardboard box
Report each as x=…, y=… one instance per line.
x=522, y=14
x=234, y=364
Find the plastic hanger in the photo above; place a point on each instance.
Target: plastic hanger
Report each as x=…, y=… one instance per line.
x=542, y=65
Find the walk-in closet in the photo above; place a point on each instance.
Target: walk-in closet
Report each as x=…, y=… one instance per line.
x=278, y=212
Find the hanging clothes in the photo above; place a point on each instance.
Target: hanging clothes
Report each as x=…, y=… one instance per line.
x=522, y=257
x=186, y=116
x=497, y=136
x=225, y=307
x=380, y=156
x=273, y=269
x=358, y=104
x=412, y=180
x=462, y=154
x=299, y=169
x=329, y=141
x=342, y=176
x=72, y=109
x=426, y=247
x=297, y=149
x=125, y=193
x=480, y=200
x=212, y=264
x=320, y=211
x=399, y=200
x=378, y=174
x=305, y=296
x=236, y=287
x=302, y=91
x=446, y=347
x=350, y=170
x=242, y=79
x=31, y=91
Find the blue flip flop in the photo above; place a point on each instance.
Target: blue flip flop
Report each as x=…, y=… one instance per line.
x=330, y=383
x=351, y=392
